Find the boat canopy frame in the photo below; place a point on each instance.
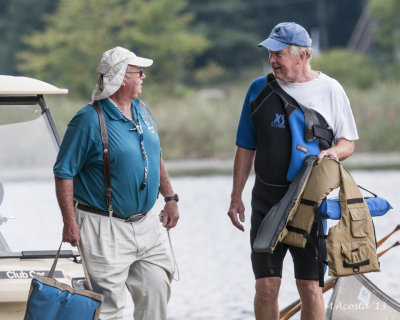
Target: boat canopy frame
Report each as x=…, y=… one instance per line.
x=34, y=100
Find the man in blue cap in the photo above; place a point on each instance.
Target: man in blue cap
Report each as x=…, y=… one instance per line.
x=264, y=139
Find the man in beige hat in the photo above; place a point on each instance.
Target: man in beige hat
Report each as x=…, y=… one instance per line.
x=108, y=211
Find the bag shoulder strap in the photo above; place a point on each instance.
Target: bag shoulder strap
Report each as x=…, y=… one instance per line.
x=106, y=157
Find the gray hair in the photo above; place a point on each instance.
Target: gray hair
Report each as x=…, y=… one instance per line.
x=297, y=51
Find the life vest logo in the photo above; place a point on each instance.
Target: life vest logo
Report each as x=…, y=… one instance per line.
x=302, y=148
x=279, y=121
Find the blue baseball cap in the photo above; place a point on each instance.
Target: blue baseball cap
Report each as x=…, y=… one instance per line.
x=285, y=34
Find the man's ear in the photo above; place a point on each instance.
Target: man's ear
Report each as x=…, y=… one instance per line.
x=302, y=57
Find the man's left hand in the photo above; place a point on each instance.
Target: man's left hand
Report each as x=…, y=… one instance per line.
x=329, y=153
x=171, y=214
x=343, y=149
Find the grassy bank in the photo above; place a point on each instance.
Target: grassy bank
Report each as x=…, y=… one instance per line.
x=377, y=113
x=202, y=122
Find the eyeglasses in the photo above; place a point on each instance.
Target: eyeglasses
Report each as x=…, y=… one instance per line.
x=141, y=72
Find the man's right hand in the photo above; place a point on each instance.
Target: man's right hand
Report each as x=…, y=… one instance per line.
x=65, y=198
x=71, y=233
x=244, y=160
x=236, y=213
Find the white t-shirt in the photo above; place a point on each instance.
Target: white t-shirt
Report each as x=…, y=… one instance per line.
x=325, y=95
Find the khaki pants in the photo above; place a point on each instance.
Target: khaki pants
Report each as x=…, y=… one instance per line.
x=131, y=254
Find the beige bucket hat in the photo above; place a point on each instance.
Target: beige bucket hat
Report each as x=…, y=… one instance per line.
x=112, y=68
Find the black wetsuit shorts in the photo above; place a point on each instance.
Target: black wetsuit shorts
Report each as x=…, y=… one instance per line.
x=270, y=265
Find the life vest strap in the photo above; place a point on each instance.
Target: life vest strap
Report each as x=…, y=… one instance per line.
x=355, y=200
x=318, y=253
x=323, y=133
x=307, y=202
x=367, y=191
x=315, y=124
x=301, y=231
x=356, y=266
x=320, y=248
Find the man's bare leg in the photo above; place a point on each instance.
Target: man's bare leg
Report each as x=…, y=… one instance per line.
x=266, y=299
x=312, y=300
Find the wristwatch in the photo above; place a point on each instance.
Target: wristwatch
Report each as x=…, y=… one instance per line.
x=174, y=197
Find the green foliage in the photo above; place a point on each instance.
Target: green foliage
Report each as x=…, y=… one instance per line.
x=212, y=71
x=376, y=113
x=231, y=28
x=18, y=18
x=199, y=127
x=235, y=27
x=387, y=32
x=68, y=50
x=392, y=71
x=162, y=29
x=349, y=68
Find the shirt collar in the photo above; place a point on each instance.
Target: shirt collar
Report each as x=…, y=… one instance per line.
x=111, y=109
x=109, y=106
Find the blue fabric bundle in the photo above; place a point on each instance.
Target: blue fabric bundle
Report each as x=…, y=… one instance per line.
x=330, y=209
x=47, y=303
x=52, y=300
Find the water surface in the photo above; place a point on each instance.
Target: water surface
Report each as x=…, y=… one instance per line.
x=216, y=280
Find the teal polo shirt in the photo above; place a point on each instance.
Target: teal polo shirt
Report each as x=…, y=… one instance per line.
x=81, y=159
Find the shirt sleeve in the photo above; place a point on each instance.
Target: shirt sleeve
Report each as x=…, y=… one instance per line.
x=345, y=125
x=76, y=148
x=246, y=135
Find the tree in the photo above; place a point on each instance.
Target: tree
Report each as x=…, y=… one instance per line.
x=235, y=27
x=68, y=50
x=230, y=28
x=17, y=18
x=387, y=33
x=350, y=68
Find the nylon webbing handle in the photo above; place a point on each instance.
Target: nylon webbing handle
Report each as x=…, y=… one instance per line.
x=53, y=267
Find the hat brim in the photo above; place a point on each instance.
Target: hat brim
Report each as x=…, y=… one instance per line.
x=140, y=62
x=273, y=45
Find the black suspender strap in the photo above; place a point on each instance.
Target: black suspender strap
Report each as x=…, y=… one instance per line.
x=106, y=157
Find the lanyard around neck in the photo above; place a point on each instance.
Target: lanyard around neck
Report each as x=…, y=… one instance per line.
x=138, y=127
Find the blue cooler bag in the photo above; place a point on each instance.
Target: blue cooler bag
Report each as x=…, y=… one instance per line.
x=51, y=300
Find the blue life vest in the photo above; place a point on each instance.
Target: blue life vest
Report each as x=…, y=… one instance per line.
x=309, y=130
x=300, y=147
